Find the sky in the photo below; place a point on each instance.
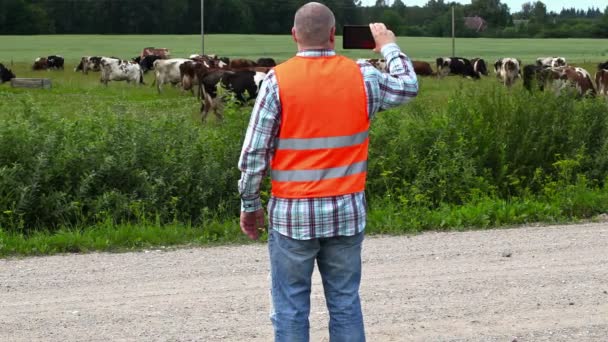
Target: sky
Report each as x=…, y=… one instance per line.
x=515, y=5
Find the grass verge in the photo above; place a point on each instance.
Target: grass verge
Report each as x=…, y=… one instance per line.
x=386, y=216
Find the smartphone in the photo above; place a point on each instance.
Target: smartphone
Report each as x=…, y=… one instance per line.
x=357, y=37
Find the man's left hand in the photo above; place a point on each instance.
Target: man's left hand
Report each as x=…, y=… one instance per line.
x=252, y=222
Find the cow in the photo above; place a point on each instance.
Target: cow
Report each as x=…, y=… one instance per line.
x=455, y=66
x=152, y=51
x=602, y=66
x=266, y=62
x=119, y=70
x=423, y=68
x=479, y=66
x=560, y=78
x=167, y=71
x=536, y=75
x=553, y=62
x=55, y=62
x=191, y=72
x=578, y=78
x=40, y=63
x=601, y=82
x=5, y=74
x=379, y=64
x=242, y=64
x=236, y=82
x=211, y=61
x=51, y=62
x=92, y=63
x=508, y=70
x=147, y=63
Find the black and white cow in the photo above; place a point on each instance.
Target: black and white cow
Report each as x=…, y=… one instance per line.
x=5, y=74
x=508, y=70
x=55, y=62
x=236, y=82
x=89, y=63
x=603, y=66
x=147, y=63
x=553, y=62
x=118, y=70
x=479, y=66
x=455, y=66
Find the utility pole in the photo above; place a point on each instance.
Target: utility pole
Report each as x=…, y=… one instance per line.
x=453, y=33
x=203, y=27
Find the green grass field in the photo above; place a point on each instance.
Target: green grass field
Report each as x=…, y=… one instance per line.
x=26, y=48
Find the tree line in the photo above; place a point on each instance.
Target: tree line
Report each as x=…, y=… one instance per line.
x=276, y=17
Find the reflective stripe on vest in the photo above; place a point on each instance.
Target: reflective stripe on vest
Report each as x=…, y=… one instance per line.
x=319, y=143
x=317, y=175
x=321, y=148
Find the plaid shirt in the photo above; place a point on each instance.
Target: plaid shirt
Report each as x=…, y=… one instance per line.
x=310, y=218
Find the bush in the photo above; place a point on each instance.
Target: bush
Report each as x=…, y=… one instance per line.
x=483, y=148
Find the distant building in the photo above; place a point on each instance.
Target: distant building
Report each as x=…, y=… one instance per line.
x=476, y=23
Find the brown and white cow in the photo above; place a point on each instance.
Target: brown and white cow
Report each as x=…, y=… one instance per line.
x=507, y=70
x=601, y=82
x=242, y=64
x=423, y=68
x=379, y=64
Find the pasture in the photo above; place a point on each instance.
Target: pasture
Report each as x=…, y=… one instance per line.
x=463, y=154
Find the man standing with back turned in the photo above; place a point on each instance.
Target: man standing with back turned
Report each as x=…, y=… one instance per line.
x=310, y=124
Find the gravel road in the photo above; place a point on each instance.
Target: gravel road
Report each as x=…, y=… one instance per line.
x=529, y=284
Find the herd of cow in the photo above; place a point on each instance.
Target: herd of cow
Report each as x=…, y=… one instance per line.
x=243, y=77
x=553, y=72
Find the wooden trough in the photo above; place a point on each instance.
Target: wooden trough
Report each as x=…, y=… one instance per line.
x=44, y=83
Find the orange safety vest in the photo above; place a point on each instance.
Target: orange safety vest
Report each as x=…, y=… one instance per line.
x=321, y=149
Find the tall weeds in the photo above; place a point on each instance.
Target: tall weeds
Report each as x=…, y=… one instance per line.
x=482, y=150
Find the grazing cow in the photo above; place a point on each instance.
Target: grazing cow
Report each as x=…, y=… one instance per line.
x=601, y=82
x=379, y=64
x=40, y=63
x=266, y=62
x=5, y=74
x=578, y=78
x=119, y=70
x=211, y=61
x=89, y=63
x=55, y=62
x=236, y=82
x=51, y=62
x=559, y=78
x=242, y=64
x=152, y=51
x=508, y=70
x=147, y=62
x=423, y=68
x=479, y=66
x=553, y=62
x=455, y=66
x=167, y=71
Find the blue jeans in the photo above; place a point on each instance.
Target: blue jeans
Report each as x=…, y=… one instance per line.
x=292, y=263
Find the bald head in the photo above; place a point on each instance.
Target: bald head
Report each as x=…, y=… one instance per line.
x=313, y=25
